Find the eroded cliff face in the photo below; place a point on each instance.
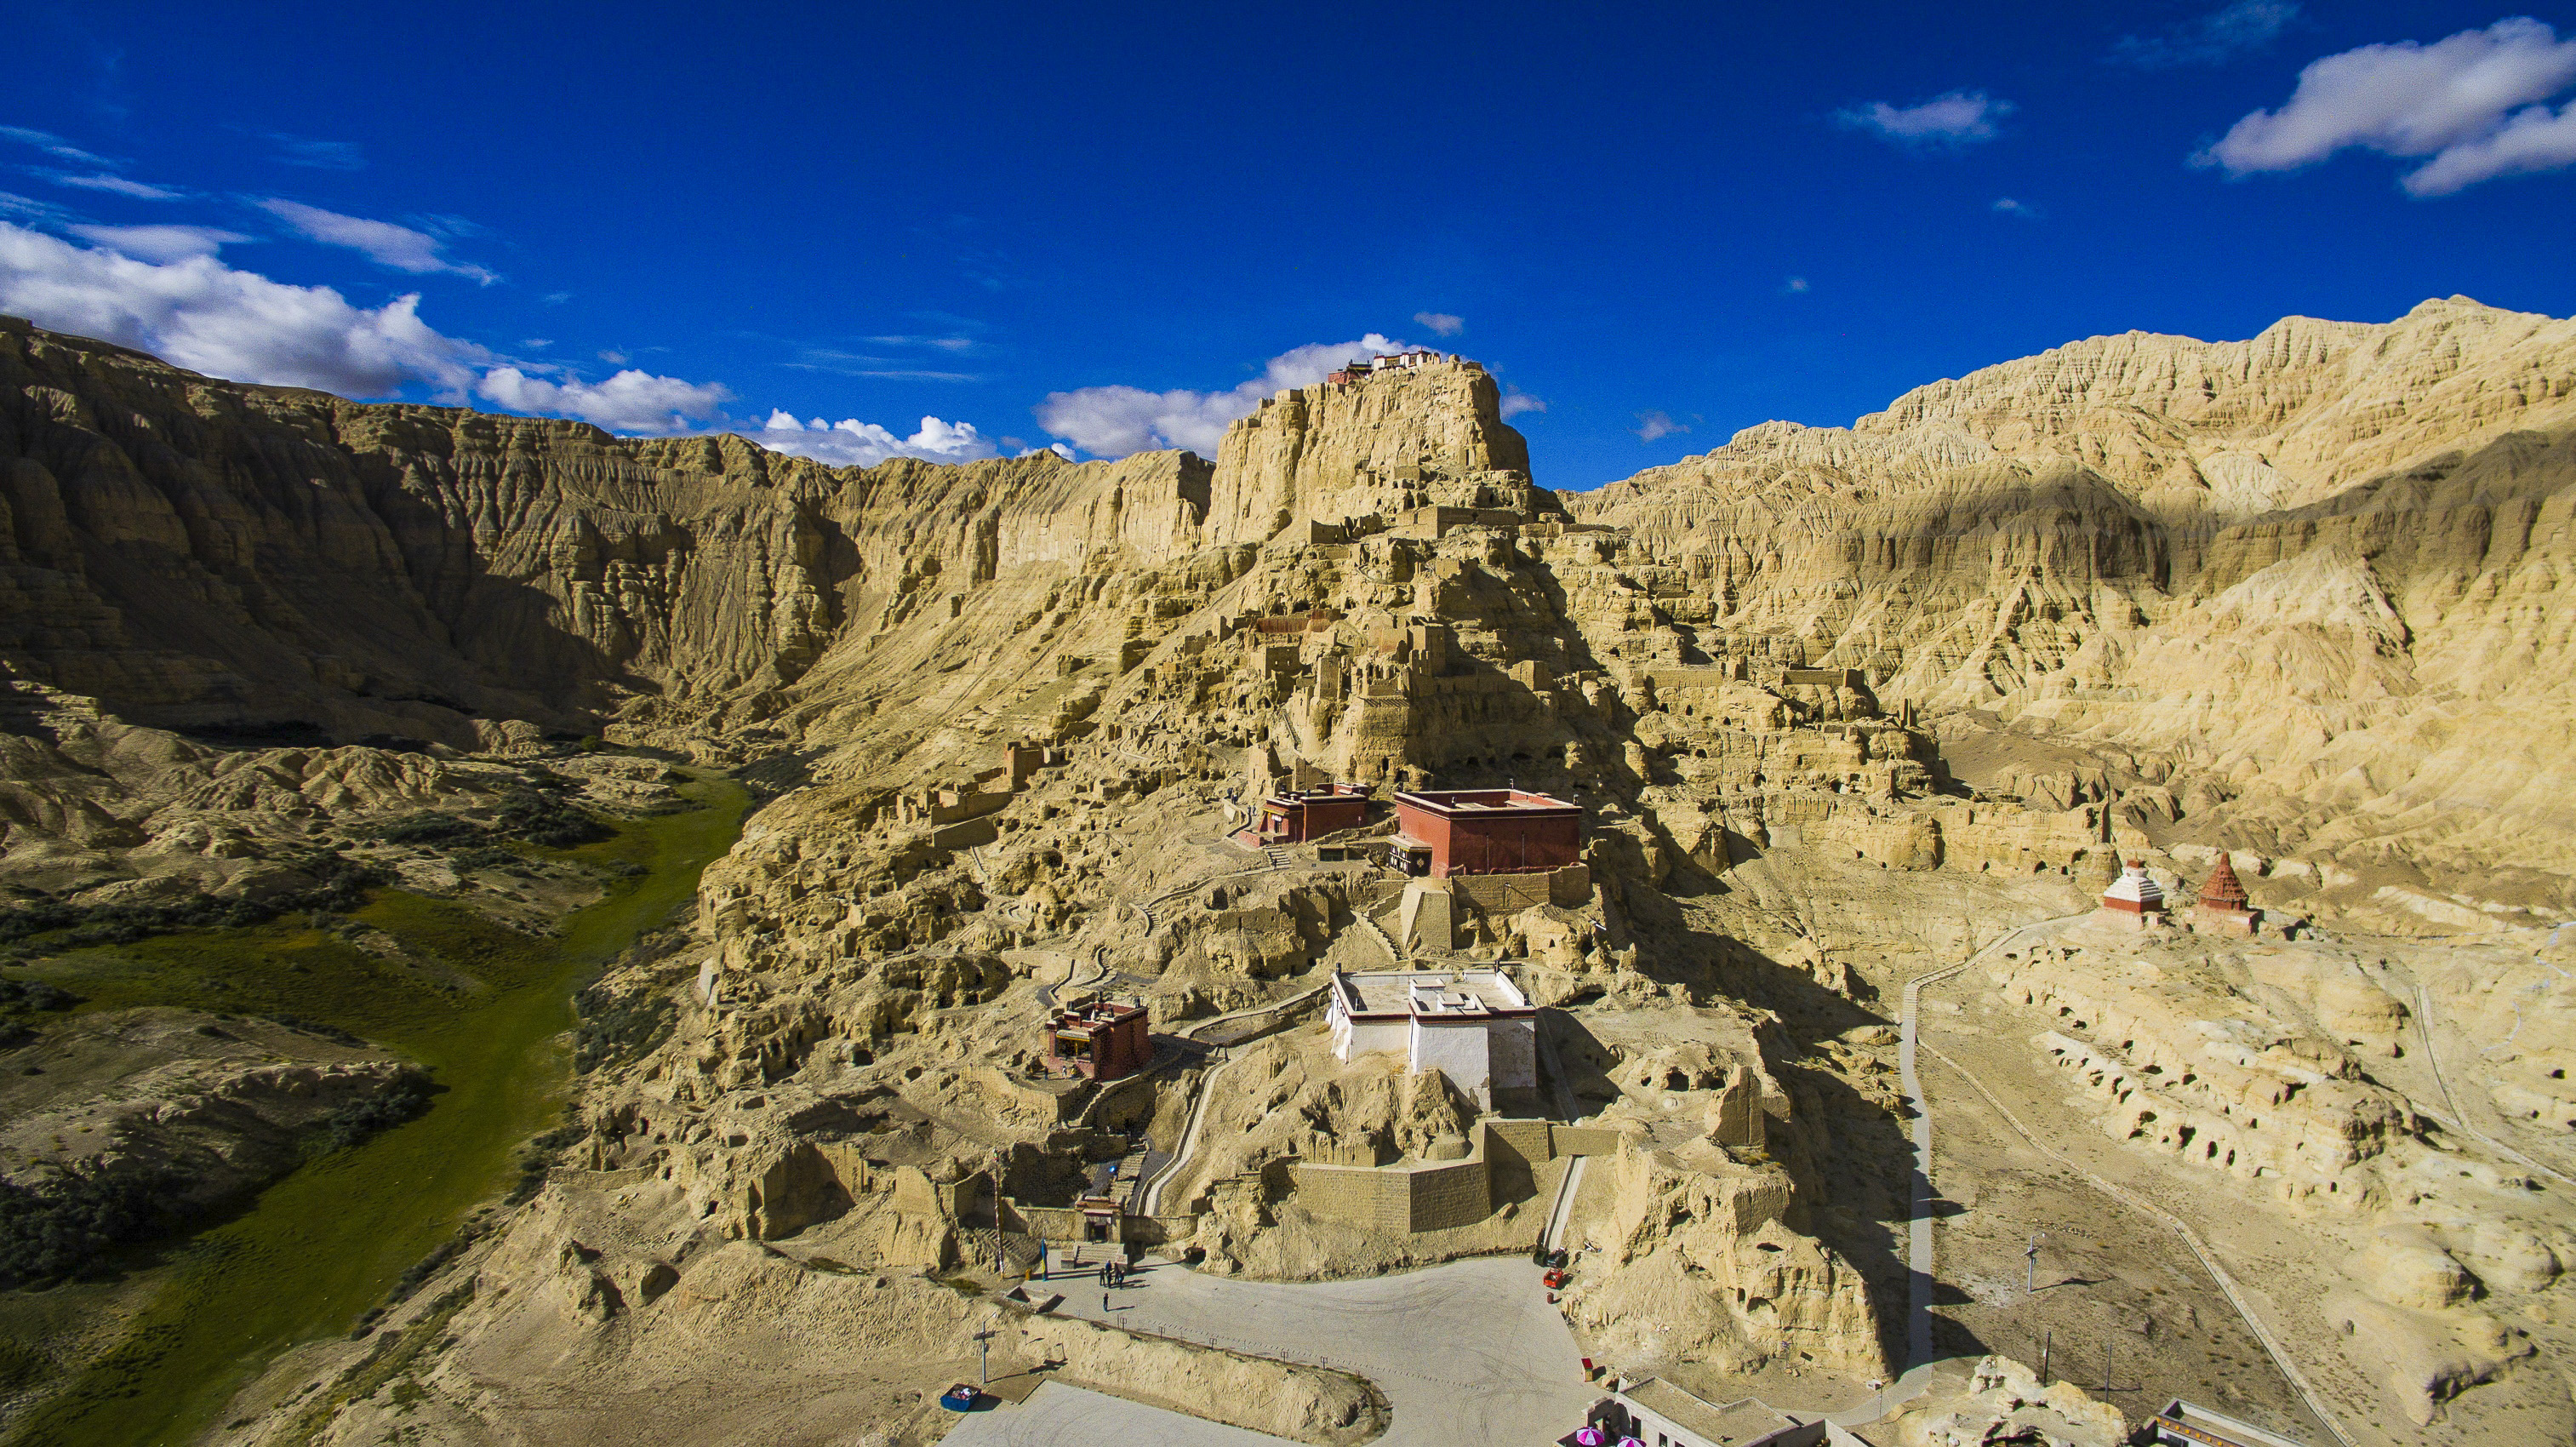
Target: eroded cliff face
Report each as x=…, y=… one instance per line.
x=198, y=553
x=1838, y=703
x=1330, y=452
x=2305, y=572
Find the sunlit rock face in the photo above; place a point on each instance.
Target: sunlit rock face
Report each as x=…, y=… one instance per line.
x=1838, y=704
x=2320, y=572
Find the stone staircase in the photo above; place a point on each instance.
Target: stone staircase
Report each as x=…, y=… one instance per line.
x=1020, y=1251
x=1377, y=932
x=1278, y=857
x=1131, y=1176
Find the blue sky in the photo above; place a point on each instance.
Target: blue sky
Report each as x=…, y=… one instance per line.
x=1033, y=225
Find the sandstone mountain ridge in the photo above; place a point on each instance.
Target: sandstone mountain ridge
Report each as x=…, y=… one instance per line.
x=1839, y=706
x=2032, y=544
x=2284, y=419
x=2309, y=566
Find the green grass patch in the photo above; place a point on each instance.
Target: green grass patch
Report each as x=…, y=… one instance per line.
x=21, y=1366
x=325, y=1244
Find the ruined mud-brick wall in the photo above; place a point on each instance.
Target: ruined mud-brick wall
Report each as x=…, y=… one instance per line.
x=1500, y=895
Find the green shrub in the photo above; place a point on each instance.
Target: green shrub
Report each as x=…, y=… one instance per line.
x=65, y=1230
x=351, y=1124
x=339, y=883
x=35, y=995
x=543, y=817
x=432, y=829
x=537, y=1157
x=615, y=1029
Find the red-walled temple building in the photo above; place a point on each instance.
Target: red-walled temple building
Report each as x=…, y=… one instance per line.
x=1483, y=831
x=1295, y=818
x=1099, y=1040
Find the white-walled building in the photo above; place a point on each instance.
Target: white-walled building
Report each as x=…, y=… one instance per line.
x=1473, y=1026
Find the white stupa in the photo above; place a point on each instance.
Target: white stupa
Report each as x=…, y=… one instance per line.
x=2136, y=894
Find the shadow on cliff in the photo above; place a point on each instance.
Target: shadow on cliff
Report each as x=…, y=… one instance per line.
x=1851, y=1156
x=244, y=572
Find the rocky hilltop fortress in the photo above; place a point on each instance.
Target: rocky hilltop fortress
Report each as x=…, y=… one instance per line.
x=1094, y=900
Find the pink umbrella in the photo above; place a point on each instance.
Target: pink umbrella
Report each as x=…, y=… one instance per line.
x=1588, y=1436
x=1630, y=1442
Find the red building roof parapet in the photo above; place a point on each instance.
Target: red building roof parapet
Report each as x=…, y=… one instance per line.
x=1484, y=831
x=1099, y=1040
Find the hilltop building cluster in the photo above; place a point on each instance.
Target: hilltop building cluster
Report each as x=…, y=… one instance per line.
x=1357, y=372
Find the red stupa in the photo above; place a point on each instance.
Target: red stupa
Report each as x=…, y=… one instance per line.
x=2223, y=901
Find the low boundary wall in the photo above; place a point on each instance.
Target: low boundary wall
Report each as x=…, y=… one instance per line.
x=1416, y=1196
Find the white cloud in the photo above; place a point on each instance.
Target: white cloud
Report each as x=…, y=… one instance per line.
x=399, y=247
x=2212, y=39
x=2010, y=207
x=52, y=145
x=895, y=369
x=945, y=344
x=316, y=155
x=1516, y=402
x=1114, y=421
x=852, y=443
x=204, y=315
x=1957, y=118
x=201, y=314
x=2468, y=101
x=1795, y=285
x=193, y=310
x=631, y=401
x=160, y=243
x=1652, y=425
x=1440, y=324
x=116, y=186
x=2531, y=139
x=13, y=204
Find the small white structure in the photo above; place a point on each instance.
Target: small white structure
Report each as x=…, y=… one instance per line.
x=1473, y=1026
x=2135, y=897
